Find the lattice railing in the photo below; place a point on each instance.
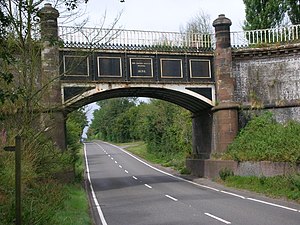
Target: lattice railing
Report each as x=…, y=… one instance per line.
x=118, y=38
x=256, y=38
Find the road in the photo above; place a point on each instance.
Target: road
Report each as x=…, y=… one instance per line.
x=128, y=191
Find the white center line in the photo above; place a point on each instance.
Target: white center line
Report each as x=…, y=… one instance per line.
x=134, y=177
x=148, y=186
x=120, y=166
x=170, y=197
x=126, y=171
x=116, y=162
x=217, y=218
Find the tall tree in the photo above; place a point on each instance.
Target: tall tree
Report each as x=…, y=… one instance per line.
x=293, y=10
x=263, y=14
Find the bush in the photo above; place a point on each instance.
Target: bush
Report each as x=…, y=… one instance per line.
x=225, y=173
x=265, y=139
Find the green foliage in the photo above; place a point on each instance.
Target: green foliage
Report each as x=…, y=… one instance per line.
x=263, y=14
x=278, y=186
x=265, y=139
x=293, y=10
x=225, y=173
x=112, y=121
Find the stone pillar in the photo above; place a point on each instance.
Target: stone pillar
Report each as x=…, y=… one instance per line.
x=226, y=111
x=202, y=130
x=54, y=120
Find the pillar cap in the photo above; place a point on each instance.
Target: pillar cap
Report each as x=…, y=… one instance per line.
x=221, y=21
x=48, y=11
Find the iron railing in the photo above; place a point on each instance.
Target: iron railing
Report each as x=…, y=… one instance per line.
x=257, y=38
x=117, y=38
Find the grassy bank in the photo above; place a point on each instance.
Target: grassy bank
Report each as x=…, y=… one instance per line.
x=75, y=208
x=287, y=187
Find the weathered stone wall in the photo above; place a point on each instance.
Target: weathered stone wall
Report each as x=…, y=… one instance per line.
x=211, y=168
x=269, y=78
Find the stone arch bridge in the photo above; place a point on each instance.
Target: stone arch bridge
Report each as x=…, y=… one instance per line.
x=213, y=76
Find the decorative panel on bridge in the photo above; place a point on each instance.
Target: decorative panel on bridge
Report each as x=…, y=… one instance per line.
x=97, y=66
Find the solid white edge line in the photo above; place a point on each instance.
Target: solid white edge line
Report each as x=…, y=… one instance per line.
x=191, y=182
x=170, y=197
x=233, y=194
x=217, y=218
x=100, y=213
x=272, y=204
x=148, y=186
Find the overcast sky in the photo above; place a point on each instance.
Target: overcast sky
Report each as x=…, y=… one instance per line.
x=163, y=15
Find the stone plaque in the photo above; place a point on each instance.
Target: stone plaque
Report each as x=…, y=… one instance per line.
x=109, y=67
x=200, y=68
x=171, y=68
x=141, y=67
x=76, y=65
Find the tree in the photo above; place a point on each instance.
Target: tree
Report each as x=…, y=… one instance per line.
x=293, y=10
x=200, y=23
x=263, y=14
x=111, y=121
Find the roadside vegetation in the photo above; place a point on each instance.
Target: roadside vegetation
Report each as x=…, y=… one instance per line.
x=264, y=139
x=286, y=187
x=52, y=191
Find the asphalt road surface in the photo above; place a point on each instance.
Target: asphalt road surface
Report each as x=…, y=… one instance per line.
x=128, y=191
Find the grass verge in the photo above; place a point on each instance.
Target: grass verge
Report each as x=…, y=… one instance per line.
x=287, y=187
x=75, y=208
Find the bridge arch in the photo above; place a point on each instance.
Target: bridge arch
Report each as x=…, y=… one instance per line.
x=191, y=98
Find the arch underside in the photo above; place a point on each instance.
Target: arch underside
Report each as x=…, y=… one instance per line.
x=182, y=96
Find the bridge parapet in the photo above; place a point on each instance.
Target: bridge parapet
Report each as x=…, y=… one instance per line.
x=84, y=37
x=265, y=37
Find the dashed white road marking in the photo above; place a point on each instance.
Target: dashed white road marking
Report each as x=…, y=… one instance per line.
x=126, y=171
x=116, y=162
x=170, y=197
x=148, y=186
x=217, y=218
x=120, y=166
x=134, y=177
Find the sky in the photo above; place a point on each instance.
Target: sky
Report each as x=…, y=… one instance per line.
x=162, y=15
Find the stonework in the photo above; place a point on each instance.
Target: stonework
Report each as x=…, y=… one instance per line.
x=269, y=81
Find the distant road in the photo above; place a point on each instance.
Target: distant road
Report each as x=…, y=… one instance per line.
x=127, y=191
